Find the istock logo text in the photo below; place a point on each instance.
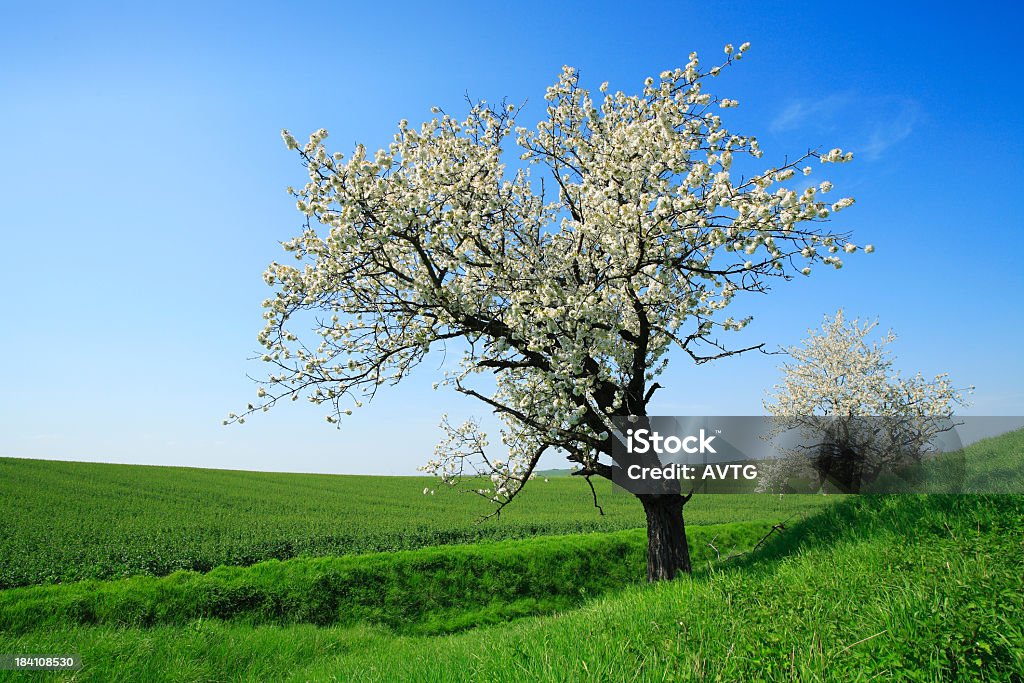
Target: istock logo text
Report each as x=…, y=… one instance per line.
x=644, y=441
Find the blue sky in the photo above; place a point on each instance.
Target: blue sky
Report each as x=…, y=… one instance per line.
x=142, y=194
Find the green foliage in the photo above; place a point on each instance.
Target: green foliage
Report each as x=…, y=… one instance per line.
x=425, y=590
x=64, y=521
x=901, y=588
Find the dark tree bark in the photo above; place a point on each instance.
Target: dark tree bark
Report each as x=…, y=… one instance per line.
x=667, y=551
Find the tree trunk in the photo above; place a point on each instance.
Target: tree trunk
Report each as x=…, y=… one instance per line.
x=667, y=551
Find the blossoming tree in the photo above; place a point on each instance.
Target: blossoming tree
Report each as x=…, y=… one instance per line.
x=860, y=415
x=567, y=259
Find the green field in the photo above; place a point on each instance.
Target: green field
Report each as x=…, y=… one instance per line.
x=64, y=521
x=908, y=587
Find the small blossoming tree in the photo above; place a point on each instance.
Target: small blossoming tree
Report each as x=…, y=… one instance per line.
x=619, y=231
x=859, y=414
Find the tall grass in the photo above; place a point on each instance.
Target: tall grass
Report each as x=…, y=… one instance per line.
x=901, y=588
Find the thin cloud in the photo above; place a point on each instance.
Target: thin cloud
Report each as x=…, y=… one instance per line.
x=799, y=113
x=884, y=135
x=868, y=126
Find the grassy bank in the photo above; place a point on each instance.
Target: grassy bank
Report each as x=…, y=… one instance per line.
x=911, y=588
x=63, y=521
x=428, y=590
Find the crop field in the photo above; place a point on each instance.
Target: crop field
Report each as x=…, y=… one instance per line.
x=902, y=587
x=64, y=521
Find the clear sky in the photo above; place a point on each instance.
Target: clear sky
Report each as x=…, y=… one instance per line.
x=142, y=193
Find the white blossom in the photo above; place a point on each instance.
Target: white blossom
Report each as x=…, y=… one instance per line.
x=569, y=299
x=839, y=373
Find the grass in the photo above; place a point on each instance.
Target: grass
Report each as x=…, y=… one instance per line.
x=995, y=465
x=430, y=590
x=907, y=588
x=67, y=521
x=904, y=587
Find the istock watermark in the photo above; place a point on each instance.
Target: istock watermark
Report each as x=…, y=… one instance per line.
x=815, y=454
x=693, y=472
x=643, y=440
